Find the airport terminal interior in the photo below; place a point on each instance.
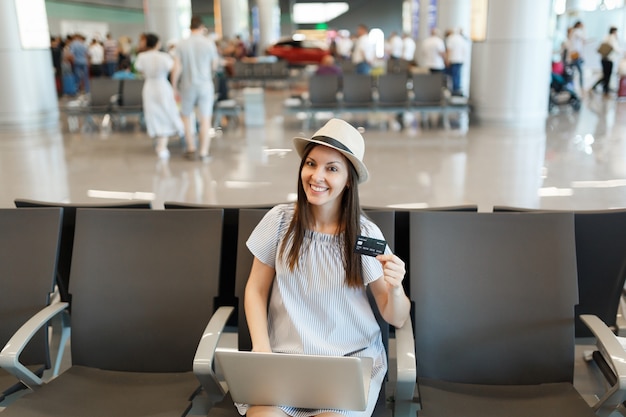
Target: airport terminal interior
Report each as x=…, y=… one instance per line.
x=576, y=160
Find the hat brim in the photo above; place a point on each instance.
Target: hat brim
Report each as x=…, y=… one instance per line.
x=300, y=144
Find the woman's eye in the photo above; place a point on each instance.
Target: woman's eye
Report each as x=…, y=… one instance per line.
x=332, y=169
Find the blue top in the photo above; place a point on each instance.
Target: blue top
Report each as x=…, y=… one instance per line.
x=79, y=52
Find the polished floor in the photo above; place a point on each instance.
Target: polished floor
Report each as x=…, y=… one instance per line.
x=578, y=161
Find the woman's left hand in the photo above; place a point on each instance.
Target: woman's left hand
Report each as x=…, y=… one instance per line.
x=393, y=270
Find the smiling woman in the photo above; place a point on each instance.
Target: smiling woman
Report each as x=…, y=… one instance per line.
x=306, y=277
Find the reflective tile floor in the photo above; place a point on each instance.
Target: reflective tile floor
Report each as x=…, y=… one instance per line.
x=578, y=161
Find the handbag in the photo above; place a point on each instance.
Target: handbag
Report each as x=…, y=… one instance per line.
x=605, y=49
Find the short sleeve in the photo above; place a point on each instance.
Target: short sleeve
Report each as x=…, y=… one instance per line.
x=139, y=62
x=371, y=267
x=264, y=239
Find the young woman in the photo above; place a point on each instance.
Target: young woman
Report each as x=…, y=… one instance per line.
x=159, y=104
x=305, y=266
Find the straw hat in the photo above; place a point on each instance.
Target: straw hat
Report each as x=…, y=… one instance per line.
x=343, y=137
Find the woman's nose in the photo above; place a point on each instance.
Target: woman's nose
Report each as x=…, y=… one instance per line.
x=318, y=174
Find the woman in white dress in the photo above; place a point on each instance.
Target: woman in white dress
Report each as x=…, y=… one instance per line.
x=305, y=266
x=159, y=104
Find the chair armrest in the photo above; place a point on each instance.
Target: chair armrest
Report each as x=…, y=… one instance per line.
x=406, y=389
x=9, y=356
x=615, y=356
x=205, y=354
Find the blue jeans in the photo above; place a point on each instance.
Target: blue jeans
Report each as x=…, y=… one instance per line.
x=578, y=64
x=81, y=73
x=363, y=68
x=109, y=68
x=455, y=74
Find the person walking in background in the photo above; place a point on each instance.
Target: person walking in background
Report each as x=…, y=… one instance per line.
x=56, y=49
x=456, y=49
x=434, y=52
x=125, y=49
x=79, y=56
x=159, y=104
x=394, y=46
x=363, y=54
x=408, y=48
x=609, y=51
x=575, y=45
x=343, y=45
x=96, y=58
x=307, y=279
x=111, y=52
x=197, y=60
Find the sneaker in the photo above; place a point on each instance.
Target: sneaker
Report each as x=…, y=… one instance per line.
x=205, y=158
x=163, y=154
x=190, y=155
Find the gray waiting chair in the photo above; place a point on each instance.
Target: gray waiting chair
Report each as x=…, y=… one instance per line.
x=323, y=96
x=358, y=91
x=601, y=261
x=29, y=241
x=427, y=90
x=68, y=225
x=392, y=91
x=142, y=297
x=494, y=297
x=103, y=100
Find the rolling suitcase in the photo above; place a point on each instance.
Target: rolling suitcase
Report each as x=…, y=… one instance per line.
x=621, y=91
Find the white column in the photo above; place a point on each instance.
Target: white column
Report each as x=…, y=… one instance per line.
x=169, y=19
x=231, y=18
x=510, y=74
x=269, y=23
x=423, y=27
x=573, y=5
x=456, y=14
x=29, y=98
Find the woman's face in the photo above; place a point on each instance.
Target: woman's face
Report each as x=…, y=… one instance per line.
x=324, y=175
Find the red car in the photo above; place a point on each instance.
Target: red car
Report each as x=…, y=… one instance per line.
x=298, y=52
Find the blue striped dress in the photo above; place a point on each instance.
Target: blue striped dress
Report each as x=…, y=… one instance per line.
x=311, y=309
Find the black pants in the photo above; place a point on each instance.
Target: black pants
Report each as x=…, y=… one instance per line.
x=607, y=70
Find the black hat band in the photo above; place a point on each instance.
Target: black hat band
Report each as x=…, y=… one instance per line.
x=332, y=142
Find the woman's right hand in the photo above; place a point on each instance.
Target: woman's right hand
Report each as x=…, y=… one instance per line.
x=255, y=304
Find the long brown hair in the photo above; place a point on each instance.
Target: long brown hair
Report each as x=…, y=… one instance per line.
x=349, y=220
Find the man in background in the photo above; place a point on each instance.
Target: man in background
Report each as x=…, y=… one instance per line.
x=196, y=60
x=456, y=47
x=111, y=52
x=363, y=54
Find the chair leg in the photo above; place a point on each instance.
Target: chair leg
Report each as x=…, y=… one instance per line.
x=65, y=335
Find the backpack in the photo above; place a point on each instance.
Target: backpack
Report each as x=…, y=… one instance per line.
x=605, y=49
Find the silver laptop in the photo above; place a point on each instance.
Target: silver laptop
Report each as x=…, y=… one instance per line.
x=304, y=381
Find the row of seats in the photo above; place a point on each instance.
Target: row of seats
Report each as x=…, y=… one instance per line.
x=493, y=294
x=392, y=92
x=107, y=97
x=600, y=250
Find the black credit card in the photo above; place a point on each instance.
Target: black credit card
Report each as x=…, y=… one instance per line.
x=369, y=246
